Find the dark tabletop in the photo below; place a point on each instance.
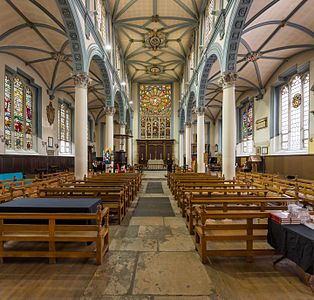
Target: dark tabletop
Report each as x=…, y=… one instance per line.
x=62, y=205
x=295, y=242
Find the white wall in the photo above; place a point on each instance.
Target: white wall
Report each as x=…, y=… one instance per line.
x=47, y=129
x=262, y=107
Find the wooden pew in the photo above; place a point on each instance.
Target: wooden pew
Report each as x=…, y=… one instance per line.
x=125, y=186
x=243, y=203
x=54, y=232
x=204, y=180
x=199, y=187
x=219, y=192
x=112, y=197
x=243, y=228
x=136, y=177
x=173, y=177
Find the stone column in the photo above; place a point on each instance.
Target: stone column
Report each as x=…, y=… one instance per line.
x=98, y=139
x=228, y=125
x=122, y=140
x=109, y=111
x=200, y=131
x=81, y=125
x=188, y=144
x=212, y=137
x=129, y=148
x=181, y=148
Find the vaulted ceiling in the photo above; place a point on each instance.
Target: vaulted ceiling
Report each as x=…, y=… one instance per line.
x=155, y=36
x=274, y=32
x=33, y=32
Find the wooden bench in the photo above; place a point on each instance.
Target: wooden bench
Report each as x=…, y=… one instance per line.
x=112, y=197
x=53, y=232
x=233, y=204
x=135, y=177
x=125, y=186
x=172, y=178
x=242, y=229
x=129, y=184
x=219, y=192
x=202, y=187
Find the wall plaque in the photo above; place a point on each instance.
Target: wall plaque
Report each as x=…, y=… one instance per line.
x=261, y=123
x=50, y=113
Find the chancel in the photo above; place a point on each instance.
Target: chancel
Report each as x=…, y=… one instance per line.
x=156, y=149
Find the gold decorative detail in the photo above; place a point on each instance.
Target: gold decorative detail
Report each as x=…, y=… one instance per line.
x=50, y=113
x=228, y=79
x=81, y=80
x=296, y=100
x=109, y=110
x=155, y=40
x=261, y=123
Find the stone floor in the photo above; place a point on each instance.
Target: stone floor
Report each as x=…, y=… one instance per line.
x=152, y=258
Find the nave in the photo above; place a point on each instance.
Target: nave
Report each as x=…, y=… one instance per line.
x=152, y=257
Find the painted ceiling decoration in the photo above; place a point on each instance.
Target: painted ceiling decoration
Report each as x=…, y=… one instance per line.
x=155, y=40
x=284, y=28
x=155, y=36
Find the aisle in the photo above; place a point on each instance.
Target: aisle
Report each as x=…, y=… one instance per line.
x=152, y=257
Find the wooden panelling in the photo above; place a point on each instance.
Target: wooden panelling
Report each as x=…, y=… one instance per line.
x=295, y=165
x=28, y=164
x=154, y=149
x=300, y=165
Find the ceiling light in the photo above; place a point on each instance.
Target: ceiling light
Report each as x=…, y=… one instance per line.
x=123, y=83
x=131, y=102
x=108, y=47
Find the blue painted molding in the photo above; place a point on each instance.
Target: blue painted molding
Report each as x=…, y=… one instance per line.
x=74, y=32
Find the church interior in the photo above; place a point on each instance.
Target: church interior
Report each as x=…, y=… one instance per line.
x=157, y=149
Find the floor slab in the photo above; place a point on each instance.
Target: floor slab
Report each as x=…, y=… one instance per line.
x=178, y=242
x=165, y=273
x=114, y=277
x=133, y=244
x=147, y=221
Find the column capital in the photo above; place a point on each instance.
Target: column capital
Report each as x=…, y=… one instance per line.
x=228, y=79
x=200, y=111
x=110, y=111
x=188, y=124
x=81, y=80
x=121, y=123
x=181, y=131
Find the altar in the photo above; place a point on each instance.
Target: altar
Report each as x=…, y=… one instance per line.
x=154, y=153
x=155, y=164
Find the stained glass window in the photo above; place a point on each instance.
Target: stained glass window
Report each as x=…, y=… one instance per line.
x=155, y=111
x=247, y=128
x=295, y=113
x=18, y=109
x=64, y=128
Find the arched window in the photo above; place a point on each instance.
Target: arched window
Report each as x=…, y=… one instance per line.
x=295, y=113
x=118, y=60
x=18, y=111
x=247, y=128
x=155, y=111
x=64, y=128
x=209, y=21
x=100, y=18
x=191, y=62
